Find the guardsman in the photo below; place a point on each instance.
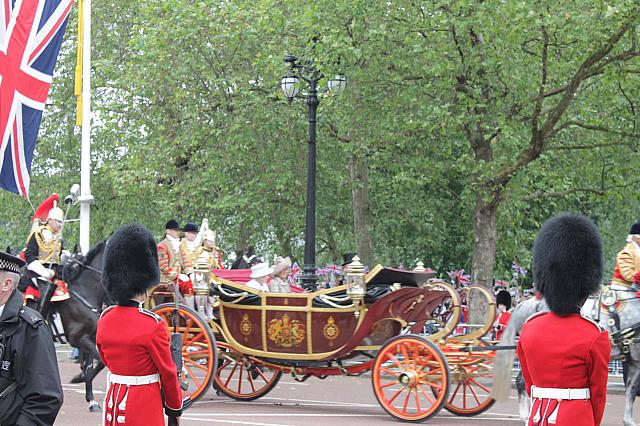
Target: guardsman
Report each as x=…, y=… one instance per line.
x=204, y=263
x=133, y=342
x=30, y=389
x=503, y=302
x=174, y=262
x=565, y=356
x=628, y=259
x=42, y=254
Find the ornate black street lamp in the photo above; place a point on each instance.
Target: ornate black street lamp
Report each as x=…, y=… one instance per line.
x=307, y=72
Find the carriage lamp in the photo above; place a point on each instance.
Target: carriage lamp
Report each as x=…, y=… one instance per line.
x=356, y=287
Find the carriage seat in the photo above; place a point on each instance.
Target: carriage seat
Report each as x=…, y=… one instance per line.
x=230, y=294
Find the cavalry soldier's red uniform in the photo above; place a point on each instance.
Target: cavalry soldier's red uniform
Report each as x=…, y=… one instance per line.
x=565, y=356
x=133, y=342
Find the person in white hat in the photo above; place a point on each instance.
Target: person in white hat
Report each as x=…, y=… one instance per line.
x=280, y=281
x=260, y=273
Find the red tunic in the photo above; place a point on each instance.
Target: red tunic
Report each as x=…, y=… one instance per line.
x=567, y=351
x=501, y=323
x=134, y=342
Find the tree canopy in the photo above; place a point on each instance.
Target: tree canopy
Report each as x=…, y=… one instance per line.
x=464, y=125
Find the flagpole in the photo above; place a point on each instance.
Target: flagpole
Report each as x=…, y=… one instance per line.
x=85, y=199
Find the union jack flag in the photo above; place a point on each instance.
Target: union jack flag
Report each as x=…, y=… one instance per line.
x=459, y=277
x=294, y=272
x=31, y=33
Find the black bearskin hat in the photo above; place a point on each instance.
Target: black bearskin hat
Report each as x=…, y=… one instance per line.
x=635, y=229
x=190, y=227
x=503, y=298
x=130, y=263
x=567, y=261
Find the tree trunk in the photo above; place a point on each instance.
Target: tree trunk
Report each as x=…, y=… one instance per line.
x=362, y=219
x=484, y=252
x=484, y=244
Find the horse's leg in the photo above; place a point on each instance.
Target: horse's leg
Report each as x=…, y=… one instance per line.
x=523, y=399
x=79, y=378
x=630, y=392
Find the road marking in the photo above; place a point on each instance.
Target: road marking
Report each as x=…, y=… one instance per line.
x=231, y=422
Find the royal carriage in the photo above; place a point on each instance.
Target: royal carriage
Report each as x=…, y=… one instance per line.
x=393, y=323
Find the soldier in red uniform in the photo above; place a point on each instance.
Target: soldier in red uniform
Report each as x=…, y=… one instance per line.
x=133, y=342
x=564, y=356
x=503, y=301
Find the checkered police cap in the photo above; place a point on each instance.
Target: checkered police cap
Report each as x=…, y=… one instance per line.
x=10, y=263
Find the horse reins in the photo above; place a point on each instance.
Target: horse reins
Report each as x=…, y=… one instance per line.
x=77, y=295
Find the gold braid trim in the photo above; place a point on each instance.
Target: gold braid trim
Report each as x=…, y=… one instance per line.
x=49, y=247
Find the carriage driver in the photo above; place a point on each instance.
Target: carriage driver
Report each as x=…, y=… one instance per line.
x=133, y=342
x=44, y=246
x=627, y=269
x=174, y=263
x=565, y=356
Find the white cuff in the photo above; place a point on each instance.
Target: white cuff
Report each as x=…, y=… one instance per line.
x=39, y=269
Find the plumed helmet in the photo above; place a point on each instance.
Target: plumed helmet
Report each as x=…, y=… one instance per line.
x=130, y=263
x=503, y=298
x=190, y=227
x=567, y=261
x=209, y=235
x=56, y=213
x=635, y=229
x=43, y=209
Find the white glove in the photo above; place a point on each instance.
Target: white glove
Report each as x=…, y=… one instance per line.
x=39, y=269
x=183, y=277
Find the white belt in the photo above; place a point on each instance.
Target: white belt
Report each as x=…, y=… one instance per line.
x=134, y=380
x=558, y=393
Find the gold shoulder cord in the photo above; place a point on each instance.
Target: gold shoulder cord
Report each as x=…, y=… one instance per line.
x=49, y=247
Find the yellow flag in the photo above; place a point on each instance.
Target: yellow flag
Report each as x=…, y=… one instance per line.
x=78, y=82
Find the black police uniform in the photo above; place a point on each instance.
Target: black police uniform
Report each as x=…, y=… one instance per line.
x=30, y=388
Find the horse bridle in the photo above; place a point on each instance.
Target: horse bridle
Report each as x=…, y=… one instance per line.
x=77, y=295
x=84, y=265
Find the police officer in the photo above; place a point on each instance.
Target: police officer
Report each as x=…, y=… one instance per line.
x=564, y=356
x=133, y=342
x=30, y=389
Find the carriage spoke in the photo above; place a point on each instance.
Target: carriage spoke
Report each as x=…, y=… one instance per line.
x=453, y=395
x=195, y=364
x=484, y=388
x=233, y=370
x=475, y=396
x=398, y=392
x=192, y=376
x=427, y=396
x=406, y=401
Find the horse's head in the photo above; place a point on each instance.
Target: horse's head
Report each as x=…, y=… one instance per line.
x=77, y=264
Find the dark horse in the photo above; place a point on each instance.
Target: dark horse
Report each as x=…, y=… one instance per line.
x=247, y=260
x=80, y=313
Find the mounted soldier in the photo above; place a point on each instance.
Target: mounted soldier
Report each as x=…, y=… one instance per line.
x=174, y=263
x=42, y=254
x=628, y=259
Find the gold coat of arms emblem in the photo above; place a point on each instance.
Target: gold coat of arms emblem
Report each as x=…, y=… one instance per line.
x=245, y=325
x=286, y=332
x=331, y=330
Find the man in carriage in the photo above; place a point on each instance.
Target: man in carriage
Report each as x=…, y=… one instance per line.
x=175, y=264
x=42, y=255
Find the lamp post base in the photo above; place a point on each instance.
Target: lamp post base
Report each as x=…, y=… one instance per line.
x=309, y=278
